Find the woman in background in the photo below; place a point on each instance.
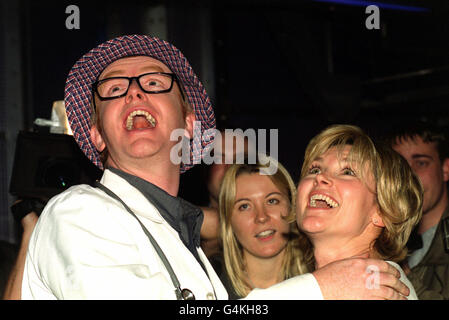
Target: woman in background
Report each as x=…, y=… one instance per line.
x=259, y=235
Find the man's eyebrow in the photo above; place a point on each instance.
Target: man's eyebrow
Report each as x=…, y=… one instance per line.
x=120, y=72
x=152, y=69
x=112, y=74
x=419, y=155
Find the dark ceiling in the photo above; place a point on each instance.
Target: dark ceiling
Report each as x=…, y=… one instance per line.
x=330, y=61
x=296, y=66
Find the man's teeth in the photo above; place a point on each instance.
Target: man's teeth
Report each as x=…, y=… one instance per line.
x=149, y=117
x=265, y=233
x=331, y=203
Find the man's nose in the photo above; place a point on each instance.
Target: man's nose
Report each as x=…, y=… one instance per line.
x=134, y=91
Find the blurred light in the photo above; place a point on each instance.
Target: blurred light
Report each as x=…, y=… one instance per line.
x=381, y=5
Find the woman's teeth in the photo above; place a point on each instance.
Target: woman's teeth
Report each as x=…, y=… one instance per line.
x=330, y=203
x=265, y=233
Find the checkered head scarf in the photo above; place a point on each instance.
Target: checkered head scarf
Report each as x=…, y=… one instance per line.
x=78, y=90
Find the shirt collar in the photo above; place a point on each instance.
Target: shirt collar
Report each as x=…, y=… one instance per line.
x=181, y=215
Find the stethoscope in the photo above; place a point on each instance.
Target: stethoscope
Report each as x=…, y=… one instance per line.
x=181, y=294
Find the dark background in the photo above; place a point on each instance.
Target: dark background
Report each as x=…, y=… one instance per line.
x=295, y=66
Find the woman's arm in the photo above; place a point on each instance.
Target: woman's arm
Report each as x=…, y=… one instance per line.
x=210, y=231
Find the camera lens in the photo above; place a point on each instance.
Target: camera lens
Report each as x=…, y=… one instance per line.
x=59, y=173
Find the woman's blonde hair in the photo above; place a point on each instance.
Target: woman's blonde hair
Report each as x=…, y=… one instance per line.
x=399, y=194
x=233, y=252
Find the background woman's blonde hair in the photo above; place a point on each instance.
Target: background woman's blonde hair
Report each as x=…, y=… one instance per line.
x=233, y=253
x=399, y=193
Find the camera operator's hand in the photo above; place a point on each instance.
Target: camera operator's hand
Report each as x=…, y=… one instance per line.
x=24, y=207
x=29, y=222
x=27, y=213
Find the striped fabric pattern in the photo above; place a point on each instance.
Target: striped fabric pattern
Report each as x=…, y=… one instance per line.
x=78, y=89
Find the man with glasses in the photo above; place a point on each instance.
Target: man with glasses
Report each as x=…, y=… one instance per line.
x=130, y=236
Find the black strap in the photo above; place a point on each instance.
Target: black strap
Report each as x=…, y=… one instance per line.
x=24, y=207
x=174, y=278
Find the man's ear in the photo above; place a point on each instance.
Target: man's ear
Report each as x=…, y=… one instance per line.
x=97, y=139
x=445, y=167
x=190, y=122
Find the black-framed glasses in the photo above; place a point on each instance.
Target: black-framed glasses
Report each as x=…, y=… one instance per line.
x=117, y=87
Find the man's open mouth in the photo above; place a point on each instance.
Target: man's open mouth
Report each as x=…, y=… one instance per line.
x=322, y=201
x=140, y=119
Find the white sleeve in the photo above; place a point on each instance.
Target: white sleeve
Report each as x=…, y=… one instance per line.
x=406, y=281
x=304, y=287
x=80, y=251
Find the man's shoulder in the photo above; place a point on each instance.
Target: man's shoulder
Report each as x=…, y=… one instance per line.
x=78, y=199
x=76, y=193
x=79, y=211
